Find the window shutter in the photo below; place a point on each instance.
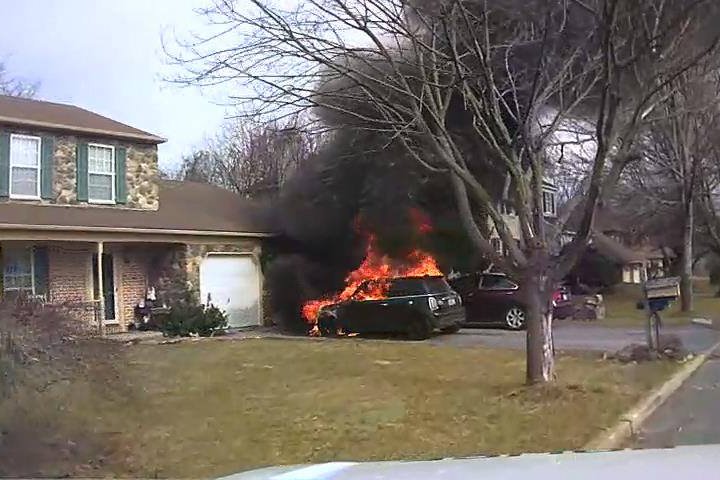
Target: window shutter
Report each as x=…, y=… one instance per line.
x=4, y=164
x=40, y=270
x=120, y=175
x=81, y=157
x=47, y=167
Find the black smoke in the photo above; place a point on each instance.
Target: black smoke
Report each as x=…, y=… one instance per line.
x=363, y=175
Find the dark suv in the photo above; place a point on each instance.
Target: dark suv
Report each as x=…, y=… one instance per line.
x=414, y=305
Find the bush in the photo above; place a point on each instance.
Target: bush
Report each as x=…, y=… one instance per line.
x=187, y=319
x=30, y=334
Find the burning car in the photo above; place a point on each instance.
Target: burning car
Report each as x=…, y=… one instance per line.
x=415, y=306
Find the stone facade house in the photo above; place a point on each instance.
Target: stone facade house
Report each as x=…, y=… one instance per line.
x=86, y=222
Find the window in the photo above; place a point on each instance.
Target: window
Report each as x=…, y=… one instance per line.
x=24, y=166
x=497, y=245
x=506, y=208
x=18, y=269
x=497, y=282
x=548, y=201
x=101, y=174
x=402, y=287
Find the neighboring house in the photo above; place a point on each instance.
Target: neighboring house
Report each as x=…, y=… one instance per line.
x=549, y=204
x=635, y=256
x=86, y=222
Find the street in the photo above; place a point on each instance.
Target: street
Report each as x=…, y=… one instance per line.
x=690, y=416
x=575, y=336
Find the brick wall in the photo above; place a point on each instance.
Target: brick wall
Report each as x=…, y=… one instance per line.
x=132, y=264
x=69, y=277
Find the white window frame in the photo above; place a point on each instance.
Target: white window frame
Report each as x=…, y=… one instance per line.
x=552, y=211
x=32, y=270
x=37, y=169
x=112, y=175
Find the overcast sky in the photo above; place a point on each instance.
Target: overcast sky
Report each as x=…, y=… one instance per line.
x=106, y=56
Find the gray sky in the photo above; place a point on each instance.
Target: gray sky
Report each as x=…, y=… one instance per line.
x=106, y=56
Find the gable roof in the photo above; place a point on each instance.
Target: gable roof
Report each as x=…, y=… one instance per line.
x=185, y=208
x=621, y=254
x=29, y=113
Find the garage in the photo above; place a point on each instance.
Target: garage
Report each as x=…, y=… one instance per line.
x=231, y=282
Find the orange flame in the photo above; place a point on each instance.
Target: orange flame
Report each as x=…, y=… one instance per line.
x=378, y=269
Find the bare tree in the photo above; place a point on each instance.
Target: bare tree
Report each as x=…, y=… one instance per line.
x=678, y=149
x=474, y=90
x=15, y=87
x=250, y=158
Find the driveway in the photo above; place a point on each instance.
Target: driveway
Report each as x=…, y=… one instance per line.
x=690, y=415
x=574, y=336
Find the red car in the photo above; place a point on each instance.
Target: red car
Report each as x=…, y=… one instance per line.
x=494, y=299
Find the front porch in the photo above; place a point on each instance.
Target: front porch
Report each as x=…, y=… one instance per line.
x=98, y=282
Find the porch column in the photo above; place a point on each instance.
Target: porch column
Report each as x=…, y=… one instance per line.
x=101, y=300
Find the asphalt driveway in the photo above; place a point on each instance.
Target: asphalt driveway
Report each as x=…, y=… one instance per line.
x=574, y=336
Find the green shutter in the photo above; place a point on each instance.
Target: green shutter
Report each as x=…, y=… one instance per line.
x=46, y=167
x=40, y=270
x=81, y=157
x=120, y=175
x=4, y=164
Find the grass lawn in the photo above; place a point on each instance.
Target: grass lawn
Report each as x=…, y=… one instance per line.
x=216, y=407
x=620, y=306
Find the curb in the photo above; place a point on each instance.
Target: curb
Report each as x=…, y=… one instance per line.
x=630, y=422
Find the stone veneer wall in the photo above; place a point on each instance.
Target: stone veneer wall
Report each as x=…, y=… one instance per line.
x=142, y=177
x=64, y=177
x=141, y=172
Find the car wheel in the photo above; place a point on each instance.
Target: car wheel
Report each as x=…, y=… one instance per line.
x=515, y=318
x=419, y=329
x=451, y=329
x=327, y=326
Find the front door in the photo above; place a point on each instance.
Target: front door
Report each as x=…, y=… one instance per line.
x=108, y=283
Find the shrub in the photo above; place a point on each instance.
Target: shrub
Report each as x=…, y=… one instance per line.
x=31, y=333
x=187, y=319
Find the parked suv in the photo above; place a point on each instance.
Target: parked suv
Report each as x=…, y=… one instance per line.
x=414, y=305
x=493, y=298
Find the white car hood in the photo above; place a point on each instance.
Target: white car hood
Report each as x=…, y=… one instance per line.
x=702, y=461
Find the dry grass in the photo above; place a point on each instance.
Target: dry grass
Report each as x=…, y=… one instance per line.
x=621, y=311
x=215, y=407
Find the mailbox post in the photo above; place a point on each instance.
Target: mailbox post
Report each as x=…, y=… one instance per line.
x=658, y=293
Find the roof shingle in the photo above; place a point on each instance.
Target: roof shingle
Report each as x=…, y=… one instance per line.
x=184, y=206
x=57, y=116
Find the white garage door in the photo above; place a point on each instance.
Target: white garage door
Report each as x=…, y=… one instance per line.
x=231, y=283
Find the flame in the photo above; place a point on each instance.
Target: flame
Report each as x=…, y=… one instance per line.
x=378, y=269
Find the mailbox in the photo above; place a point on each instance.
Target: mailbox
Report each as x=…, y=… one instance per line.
x=660, y=292
x=665, y=288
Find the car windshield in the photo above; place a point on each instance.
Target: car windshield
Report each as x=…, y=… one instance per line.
x=401, y=287
x=496, y=282
x=437, y=285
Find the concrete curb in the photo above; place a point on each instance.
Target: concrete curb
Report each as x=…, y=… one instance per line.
x=630, y=422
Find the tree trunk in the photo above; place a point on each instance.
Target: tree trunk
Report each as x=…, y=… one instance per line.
x=686, y=291
x=540, y=356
